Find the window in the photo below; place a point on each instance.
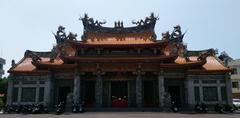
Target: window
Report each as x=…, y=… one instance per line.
x=41, y=94
x=222, y=81
x=234, y=84
x=15, y=82
x=15, y=94
x=234, y=71
x=196, y=94
x=29, y=82
x=28, y=94
x=210, y=94
x=42, y=82
x=195, y=81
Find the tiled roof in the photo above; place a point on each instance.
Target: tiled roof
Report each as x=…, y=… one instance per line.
x=25, y=65
x=212, y=63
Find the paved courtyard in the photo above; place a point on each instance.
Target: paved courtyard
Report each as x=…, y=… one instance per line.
x=123, y=115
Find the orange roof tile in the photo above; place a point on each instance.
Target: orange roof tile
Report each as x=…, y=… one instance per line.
x=25, y=65
x=212, y=63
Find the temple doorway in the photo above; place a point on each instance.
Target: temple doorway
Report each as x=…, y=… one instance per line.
x=175, y=92
x=148, y=93
x=89, y=97
x=119, y=94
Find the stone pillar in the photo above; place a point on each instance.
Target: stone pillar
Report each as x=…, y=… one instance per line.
x=219, y=91
x=37, y=92
x=49, y=90
x=161, y=90
x=189, y=90
x=98, y=90
x=76, y=89
x=139, y=99
x=229, y=90
x=19, y=92
x=9, y=91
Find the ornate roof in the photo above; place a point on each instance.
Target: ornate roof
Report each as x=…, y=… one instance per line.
x=146, y=25
x=172, y=52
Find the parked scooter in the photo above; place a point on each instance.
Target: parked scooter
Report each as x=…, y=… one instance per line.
x=81, y=108
x=219, y=108
x=229, y=108
x=77, y=108
x=36, y=108
x=8, y=109
x=174, y=107
x=44, y=108
x=60, y=108
x=25, y=108
x=18, y=108
x=204, y=108
x=198, y=108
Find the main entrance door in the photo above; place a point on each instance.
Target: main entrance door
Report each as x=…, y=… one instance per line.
x=119, y=94
x=175, y=94
x=149, y=93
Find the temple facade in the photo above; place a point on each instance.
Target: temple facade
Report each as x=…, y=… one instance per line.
x=126, y=67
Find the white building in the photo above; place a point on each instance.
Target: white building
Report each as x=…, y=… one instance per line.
x=235, y=77
x=2, y=62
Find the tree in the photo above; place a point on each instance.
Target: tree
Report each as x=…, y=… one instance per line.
x=3, y=90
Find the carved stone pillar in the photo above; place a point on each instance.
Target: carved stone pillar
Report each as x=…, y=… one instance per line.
x=77, y=87
x=161, y=89
x=139, y=96
x=99, y=90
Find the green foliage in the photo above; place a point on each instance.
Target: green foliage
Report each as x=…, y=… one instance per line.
x=1, y=103
x=3, y=90
x=3, y=85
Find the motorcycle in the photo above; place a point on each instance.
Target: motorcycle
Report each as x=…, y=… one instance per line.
x=60, y=108
x=8, y=109
x=30, y=108
x=174, y=107
x=81, y=108
x=229, y=108
x=18, y=108
x=43, y=108
x=74, y=108
x=219, y=108
x=198, y=108
x=77, y=108
x=204, y=108
x=24, y=108
x=36, y=109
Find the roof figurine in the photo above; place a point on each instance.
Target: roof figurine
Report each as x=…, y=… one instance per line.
x=72, y=36
x=146, y=25
x=148, y=20
x=60, y=36
x=177, y=35
x=165, y=35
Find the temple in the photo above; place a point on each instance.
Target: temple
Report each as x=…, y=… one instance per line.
x=120, y=67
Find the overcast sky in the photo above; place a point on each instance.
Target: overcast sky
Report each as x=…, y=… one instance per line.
x=28, y=24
